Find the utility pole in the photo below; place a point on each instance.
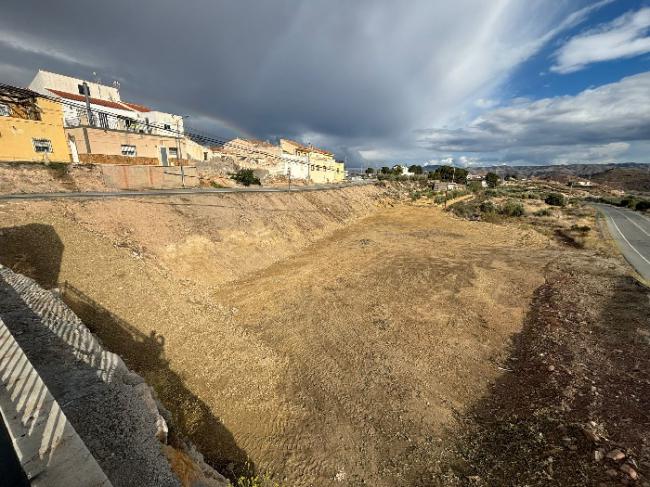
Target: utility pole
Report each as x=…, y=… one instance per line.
x=179, y=154
x=89, y=112
x=289, y=174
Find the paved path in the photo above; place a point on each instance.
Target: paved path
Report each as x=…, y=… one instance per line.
x=631, y=230
x=172, y=192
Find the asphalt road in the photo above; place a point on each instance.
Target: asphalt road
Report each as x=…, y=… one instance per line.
x=631, y=230
x=172, y=192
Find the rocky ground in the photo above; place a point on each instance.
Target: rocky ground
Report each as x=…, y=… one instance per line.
x=571, y=407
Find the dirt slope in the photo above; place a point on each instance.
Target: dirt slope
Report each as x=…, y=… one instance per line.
x=320, y=337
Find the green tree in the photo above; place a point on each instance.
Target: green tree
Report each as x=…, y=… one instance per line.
x=642, y=205
x=450, y=173
x=415, y=169
x=397, y=170
x=246, y=177
x=492, y=179
x=370, y=170
x=385, y=170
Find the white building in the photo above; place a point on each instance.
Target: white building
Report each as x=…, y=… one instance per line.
x=296, y=166
x=108, y=109
x=405, y=170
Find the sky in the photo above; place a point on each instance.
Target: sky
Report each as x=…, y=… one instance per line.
x=379, y=82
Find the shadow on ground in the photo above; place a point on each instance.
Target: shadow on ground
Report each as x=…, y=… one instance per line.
x=36, y=251
x=145, y=354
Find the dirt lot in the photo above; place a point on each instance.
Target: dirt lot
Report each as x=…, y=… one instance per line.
x=331, y=339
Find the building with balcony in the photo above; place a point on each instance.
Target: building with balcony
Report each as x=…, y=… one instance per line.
x=31, y=128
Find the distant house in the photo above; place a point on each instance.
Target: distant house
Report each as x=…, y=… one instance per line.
x=405, y=170
x=100, y=127
x=445, y=186
x=256, y=154
x=31, y=127
x=321, y=165
x=472, y=178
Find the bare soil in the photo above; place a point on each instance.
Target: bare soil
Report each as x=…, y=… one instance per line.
x=54, y=177
x=333, y=339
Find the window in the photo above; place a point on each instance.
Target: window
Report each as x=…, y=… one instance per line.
x=103, y=120
x=205, y=156
x=5, y=111
x=42, y=145
x=128, y=150
x=173, y=152
x=83, y=89
x=167, y=126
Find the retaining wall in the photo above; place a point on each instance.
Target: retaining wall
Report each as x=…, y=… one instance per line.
x=124, y=177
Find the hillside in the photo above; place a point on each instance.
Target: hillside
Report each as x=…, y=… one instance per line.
x=628, y=179
x=563, y=172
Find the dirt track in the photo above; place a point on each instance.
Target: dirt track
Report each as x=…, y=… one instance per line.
x=340, y=362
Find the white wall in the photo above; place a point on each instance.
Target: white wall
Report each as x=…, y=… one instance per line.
x=298, y=164
x=160, y=119
x=44, y=80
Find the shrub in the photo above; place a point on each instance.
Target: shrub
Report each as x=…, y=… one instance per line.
x=492, y=179
x=246, y=177
x=439, y=199
x=643, y=205
x=629, y=202
x=555, y=199
x=543, y=212
x=487, y=207
x=512, y=208
x=581, y=228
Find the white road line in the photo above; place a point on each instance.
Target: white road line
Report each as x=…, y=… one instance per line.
x=633, y=222
x=627, y=241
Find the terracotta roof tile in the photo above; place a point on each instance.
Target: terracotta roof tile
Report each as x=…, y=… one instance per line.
x=94, y=101
x=137, y=107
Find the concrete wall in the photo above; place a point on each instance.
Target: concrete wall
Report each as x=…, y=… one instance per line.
x=109, y=143
x=149, y=177
x=17, y=134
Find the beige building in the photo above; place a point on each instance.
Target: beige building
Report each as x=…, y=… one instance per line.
x=97, y=145
x=111, y=130
x=256, y=154
x=322, y=166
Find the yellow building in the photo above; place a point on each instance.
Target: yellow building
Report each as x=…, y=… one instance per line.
x=31, y=128
x=323, y=168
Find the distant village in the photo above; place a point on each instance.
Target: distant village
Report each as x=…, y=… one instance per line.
x=59, y=118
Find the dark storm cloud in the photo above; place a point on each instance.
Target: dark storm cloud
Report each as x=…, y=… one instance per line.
x=269, y=67
x=357, y=77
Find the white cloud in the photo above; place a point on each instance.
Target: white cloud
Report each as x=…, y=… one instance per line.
x=624, y=37
x=597, y=124
x=27, y=44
